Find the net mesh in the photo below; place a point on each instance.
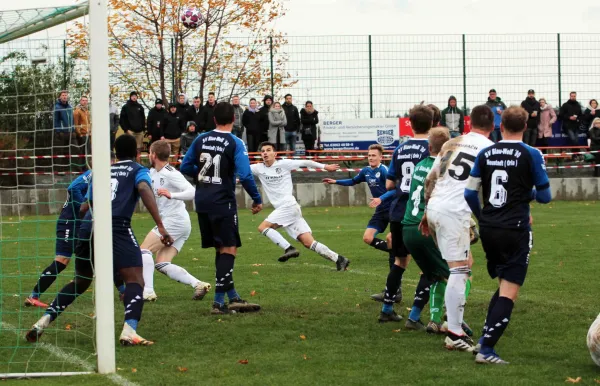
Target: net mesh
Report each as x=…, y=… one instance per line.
x=37, y=164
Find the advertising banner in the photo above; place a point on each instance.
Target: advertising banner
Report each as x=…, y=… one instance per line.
x=359, y=134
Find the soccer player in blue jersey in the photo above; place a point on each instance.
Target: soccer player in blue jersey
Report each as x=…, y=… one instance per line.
x=67, y=228
x=511, y=174
x=214, y=159
x=129, y=182
x=400, y=171
x=375, y=176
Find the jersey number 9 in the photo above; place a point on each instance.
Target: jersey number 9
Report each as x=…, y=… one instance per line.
x=208, y=161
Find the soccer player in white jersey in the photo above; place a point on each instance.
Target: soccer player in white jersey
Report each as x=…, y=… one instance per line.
x=276, y=179
x=171, y=189
x=448, y=217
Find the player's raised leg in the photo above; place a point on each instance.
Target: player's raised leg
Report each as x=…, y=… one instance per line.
x=47, y=277
x=370, y=238
x=270, y=231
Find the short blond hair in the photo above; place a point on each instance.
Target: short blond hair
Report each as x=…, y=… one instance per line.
x=377, y=147
x=438, y=136
x=162, y=149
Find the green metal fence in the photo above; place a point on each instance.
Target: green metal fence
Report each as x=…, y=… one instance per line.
x=382, y=76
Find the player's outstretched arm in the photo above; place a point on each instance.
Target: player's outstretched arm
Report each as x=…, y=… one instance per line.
x=147, y=196
x=357, y=179
x=186, y=190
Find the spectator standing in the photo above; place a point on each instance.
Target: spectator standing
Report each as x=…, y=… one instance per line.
x=497, y=106
x=570, y=114
x=64, y=135
x=293, y=122
x=83, y=125
x=238, y=112
x=264, y=118
x=190, y=134
x=207, y=116
x=114, y=122
x=156, y=116
x=532, y=106
x=595, y=144
x=172, y=128
x=133, y=120
x=547, y=118
x=277, y=123
x=453, y=118
x=591, y=112
x=250, y=120
x=309, y=117
x=194, y=112
x=182, y=107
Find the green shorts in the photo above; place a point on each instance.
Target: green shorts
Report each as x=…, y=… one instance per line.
x=426, y=254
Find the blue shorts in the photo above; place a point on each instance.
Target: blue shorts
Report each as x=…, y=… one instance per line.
x=66, y=237
x=507, y=252
x=379, y=221
x=219, y=230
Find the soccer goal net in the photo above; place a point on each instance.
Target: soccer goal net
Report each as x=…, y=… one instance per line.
x=50, y=99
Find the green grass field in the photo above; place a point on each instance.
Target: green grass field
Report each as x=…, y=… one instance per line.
x=318, y=326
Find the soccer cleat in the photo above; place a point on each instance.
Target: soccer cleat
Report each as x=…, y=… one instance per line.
x=490, y=358
x=434, y=328
x=130, y=338
x=415, y=326
x=473, y=232
x=384, y=317
x=290, y=253
x=35, y=302
x=37, y=330
x=200, y=290
x=459, y=343
x=467, y=330
x=380, y=296
x=150, y=296
x=342, y=263
x=220, y=309
x=242, y=306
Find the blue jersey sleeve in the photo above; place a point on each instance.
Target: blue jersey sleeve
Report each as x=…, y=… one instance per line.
x=88, y=194
x=143, y=175
x=243, y=171
x=388, y=195
x=540, y=178
x=476, y=171
x=471, y=192
x=357, y=179
x=391, y=172
x=189, y=165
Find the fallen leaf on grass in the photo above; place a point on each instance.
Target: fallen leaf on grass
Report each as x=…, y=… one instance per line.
x=134, y=370
x=253, y=293
x=560, y=264
x=571, y=380
x=194, y=259
x=243, y=361
x=255, y=273
x=182, y=369
x=315, y=298
x=119, y=369
x=357, y=305
x=597, y=381
x=398, y=330
x=257, y=265
x=68, y=327
x=303, y=337
x=305, y=357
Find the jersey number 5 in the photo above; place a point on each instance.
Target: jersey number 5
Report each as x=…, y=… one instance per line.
x=466, y=162
x=209, y=161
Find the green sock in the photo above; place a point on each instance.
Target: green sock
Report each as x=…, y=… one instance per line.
x=436, y=301
x=468, y=289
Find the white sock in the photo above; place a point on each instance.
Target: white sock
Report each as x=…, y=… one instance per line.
x=148, y=270
x=276, y=238
x=455, y=298
x=177, y=273
x=322, y=250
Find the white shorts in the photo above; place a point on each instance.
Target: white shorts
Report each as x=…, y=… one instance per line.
x=290, y=218
x=180, y=232
x=451, y=234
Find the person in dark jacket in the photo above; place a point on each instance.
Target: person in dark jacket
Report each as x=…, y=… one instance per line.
x=592, y=112
x=497, y=106
x=309, y=117
x=64, y=141
x=250, y=121
x=133, y=120
x=263, y=115
x=171, y=128
x=188, y=137
x=182, y=107
x=207, y=117
x=533, y=108
x=570, y=113
x=293, y=122
x=594, y=134
x=194, y=112
x=63, y=114
x=453, y=118
x=155, y=119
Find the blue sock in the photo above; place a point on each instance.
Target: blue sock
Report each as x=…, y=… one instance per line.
x=415, y=314
x=132, y=323
x=232, y=294
x=387, y=308
x=485, y=350
x=220, y=298
x=35, y=295
x=121, y=288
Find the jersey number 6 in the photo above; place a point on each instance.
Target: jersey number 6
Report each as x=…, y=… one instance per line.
x=209, y=161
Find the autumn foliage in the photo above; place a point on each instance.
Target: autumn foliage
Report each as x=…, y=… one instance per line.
x=153, y=53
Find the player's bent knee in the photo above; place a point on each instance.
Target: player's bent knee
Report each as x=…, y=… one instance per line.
x=62, y=259
x=368, y=239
